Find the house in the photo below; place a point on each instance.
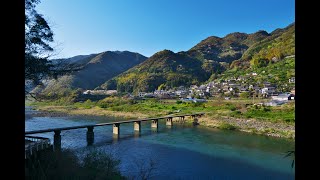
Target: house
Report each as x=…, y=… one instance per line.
x=291, y=97
x=292, y=80
x=100, y=92
x=208, y=89
x=268, y=90
x=128, y=96
x=256, y=88
x=244, y=89
x=87, y=92
x=157, y=92
x=110, y=92
x=266, y=84
x=202, y=88
x=181, y=88
x=201, y=94
x=225, y=88
x=181, y=93
x=141, y=94
x=293, y=91
x=193, y=87
x=238, y=86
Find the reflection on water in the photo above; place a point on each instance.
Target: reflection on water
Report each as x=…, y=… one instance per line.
x=181, y=151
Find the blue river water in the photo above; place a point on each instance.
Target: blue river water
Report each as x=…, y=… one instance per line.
x=179, y=152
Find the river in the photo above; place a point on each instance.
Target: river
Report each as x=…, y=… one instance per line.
x=180, y=152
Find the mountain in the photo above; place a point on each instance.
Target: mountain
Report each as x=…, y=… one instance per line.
x=207, y=59
x=79, y=59
x=96, y=69
x=279, y=44
x=271, y=59
x=226, y=49
x=164, y=67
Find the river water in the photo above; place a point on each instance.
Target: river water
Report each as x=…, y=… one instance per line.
x=179, y=152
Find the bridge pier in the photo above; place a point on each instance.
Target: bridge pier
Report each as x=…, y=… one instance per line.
x=57, y=140
x=169, y=121
x=136, y=134
x=137, y=126
x=154, y=123
x=155, y=130
x=181, y=118
x=90, y=135
x=116, y=128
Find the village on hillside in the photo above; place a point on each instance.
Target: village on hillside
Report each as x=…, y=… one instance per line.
x=227, y=89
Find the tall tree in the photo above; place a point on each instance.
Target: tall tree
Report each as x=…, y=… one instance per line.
x=38, y=37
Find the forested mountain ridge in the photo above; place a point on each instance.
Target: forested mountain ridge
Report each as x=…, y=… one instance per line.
x=96, y=69
x=164, y=67
x=206, y=60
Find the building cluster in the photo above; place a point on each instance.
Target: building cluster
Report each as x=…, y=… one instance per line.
x=100, y=92
x=228, y=88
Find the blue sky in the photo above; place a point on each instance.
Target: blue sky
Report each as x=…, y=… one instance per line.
x=148, y=26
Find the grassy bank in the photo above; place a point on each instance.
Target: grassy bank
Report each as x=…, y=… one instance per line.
x=238, y=114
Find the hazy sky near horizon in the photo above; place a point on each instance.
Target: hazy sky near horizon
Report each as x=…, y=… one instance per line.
x=147, y=26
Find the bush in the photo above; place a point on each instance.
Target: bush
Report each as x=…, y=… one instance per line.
x=53, y=165
x=244, y=94
x=227, y=126
x=235, y=113
x=231, y=107
x=100, y=165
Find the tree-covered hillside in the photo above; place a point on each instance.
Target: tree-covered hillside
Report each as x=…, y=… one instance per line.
x=165, y=67
x=277, y=73
x=226, y=49
x=96, y=70
x=208, y=59
x=280, y=44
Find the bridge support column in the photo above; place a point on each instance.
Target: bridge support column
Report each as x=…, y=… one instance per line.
x=169, y=121
x=116, y=128
x=57, y=140
x=195, y=121
x=181, y=118
x=154, y=123
x=90, y=135
x=136, y=134
x=137, y=126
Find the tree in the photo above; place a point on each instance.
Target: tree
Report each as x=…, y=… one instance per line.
x=38, y=36
x=161, y=87
x=244, y=94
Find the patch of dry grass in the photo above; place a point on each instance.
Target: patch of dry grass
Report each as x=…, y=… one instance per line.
x=95, y=111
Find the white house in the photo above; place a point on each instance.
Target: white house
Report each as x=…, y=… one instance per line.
x=292, y=80
x=141, y=94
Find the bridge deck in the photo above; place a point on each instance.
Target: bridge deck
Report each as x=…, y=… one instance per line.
x=109, y=123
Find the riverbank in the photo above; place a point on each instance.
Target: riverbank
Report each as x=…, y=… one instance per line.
x=250, y=125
